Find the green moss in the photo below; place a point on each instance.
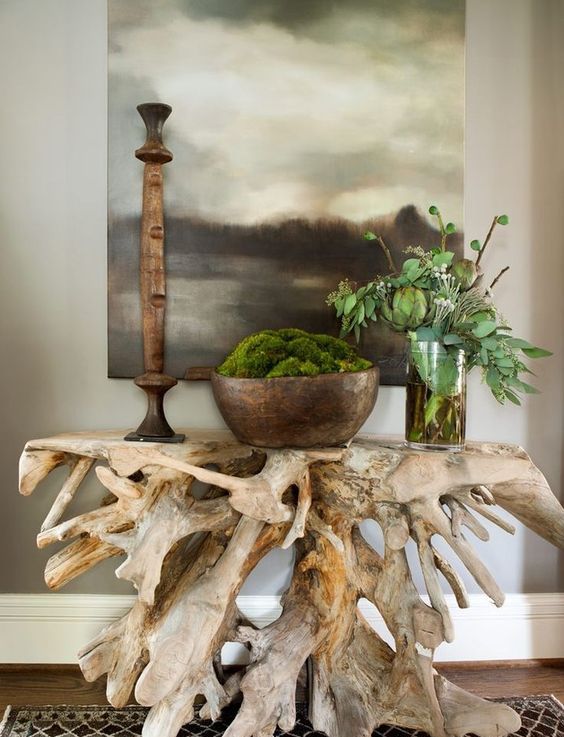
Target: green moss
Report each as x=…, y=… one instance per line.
x=339, y=349
x=293, y=367
x=262, y=351
x=290, y=352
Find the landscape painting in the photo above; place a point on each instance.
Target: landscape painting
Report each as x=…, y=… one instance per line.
x=295, y=127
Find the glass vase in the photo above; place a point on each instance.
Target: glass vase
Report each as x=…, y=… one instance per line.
x=435, y=411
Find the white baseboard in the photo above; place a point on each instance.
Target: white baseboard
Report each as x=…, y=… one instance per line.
x=51, y=628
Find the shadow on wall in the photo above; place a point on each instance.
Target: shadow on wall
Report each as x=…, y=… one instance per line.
x=545, y=420
x=26, y=392
x=29, y=410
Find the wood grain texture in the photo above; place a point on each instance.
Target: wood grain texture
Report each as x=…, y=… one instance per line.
x=39, y=685
x=153, y=154
x=297, y=411
x=188, y=558
x=508, y=678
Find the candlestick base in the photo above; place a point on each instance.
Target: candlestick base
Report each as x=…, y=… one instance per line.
x=136, y=438
x=155, y=427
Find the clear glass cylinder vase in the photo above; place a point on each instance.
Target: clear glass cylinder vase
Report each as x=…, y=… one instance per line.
x=435, y=410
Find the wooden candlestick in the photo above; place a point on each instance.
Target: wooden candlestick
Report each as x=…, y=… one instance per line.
x=154, y=382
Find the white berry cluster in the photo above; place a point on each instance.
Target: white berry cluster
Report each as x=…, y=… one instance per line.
x=383, y=289
x=439, y=272
x=445, y=303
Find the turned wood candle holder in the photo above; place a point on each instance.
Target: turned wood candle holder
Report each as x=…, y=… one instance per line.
x=154, y=382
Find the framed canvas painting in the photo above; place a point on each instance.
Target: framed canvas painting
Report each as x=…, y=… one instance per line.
x=296, y=126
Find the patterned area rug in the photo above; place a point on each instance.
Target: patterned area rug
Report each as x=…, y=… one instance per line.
x=542, y=716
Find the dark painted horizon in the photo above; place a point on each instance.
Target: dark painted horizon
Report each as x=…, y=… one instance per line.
x=238, y=279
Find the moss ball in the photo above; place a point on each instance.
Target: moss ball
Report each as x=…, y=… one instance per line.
x=290, y=352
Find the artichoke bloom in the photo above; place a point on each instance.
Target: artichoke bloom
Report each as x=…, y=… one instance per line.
x=408, y=311
x=465, y=273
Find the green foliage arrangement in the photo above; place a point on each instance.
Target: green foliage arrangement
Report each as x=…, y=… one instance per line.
x=271, y=354
x=432, y=297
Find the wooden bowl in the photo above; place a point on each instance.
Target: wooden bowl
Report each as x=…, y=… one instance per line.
x=296, y=411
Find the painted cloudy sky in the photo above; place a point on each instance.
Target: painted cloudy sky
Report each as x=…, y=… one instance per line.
x=349, y=108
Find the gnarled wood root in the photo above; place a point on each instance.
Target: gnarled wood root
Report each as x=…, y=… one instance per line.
x=189, y=553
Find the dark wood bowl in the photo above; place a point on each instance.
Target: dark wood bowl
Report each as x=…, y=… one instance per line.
x=296, y=411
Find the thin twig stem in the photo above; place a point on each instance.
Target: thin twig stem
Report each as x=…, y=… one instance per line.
x=498, y=277
x=389, y=259
x=443, y=232
x=489, y=235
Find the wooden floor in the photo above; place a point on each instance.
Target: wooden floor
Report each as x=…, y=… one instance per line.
x=64, y=684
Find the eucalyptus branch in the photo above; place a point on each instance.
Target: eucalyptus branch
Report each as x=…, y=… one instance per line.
x=439, y=297
x=388, y=255
x=489, y=235
x=498, y=277
x=445, y=230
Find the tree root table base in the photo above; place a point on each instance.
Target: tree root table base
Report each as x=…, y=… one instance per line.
x=189, y=547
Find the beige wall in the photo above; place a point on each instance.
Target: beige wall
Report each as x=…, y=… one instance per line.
x=53, y=257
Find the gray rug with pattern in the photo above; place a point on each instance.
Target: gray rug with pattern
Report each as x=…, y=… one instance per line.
x=542, y=716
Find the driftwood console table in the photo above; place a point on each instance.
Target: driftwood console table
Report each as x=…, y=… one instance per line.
x=188, y=555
